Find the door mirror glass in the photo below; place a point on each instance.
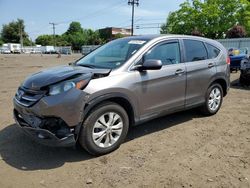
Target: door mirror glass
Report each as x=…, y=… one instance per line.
x=150, y=64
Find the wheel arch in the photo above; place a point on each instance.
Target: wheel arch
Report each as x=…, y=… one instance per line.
x=222, y=83
x=117, y=98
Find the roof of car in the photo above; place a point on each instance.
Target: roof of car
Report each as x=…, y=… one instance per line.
x=166, y=36
x=150, y=37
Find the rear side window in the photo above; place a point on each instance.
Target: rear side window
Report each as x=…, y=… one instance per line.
x=195, y=50
x=168, y=53
x=213, y=52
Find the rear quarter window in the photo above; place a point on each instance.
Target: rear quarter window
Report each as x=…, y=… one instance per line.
x=195, y=50
x=213, y=52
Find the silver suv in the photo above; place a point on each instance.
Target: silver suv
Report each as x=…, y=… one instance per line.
x=94, y=100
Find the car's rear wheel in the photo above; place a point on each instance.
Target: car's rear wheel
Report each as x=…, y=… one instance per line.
x=214, y=98
x=104, y=129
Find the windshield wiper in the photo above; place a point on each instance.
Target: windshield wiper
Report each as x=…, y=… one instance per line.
x=87, y=65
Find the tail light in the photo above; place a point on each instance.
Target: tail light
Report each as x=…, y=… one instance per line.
x=228, y=61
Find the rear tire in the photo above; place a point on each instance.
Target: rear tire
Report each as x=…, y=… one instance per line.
x=104, y=129
x=214, y=99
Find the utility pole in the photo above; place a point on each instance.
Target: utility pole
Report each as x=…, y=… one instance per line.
x=54, y=32
x=21, y=36
x=133, y=3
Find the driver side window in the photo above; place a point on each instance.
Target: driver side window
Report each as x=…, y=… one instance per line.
x=168, y=53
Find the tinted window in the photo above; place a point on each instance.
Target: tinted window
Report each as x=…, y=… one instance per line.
x=168, y=53
x=195, y=50
x=213, y=52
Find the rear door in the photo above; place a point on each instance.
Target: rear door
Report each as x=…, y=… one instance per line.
x=164, y=89
x=200, y=71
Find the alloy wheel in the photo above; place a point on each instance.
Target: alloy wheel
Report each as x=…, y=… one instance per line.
x=214, y=99
x=107, y=129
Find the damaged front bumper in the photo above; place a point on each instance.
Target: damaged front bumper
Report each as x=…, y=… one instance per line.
x=47, y=131
x=51, y=120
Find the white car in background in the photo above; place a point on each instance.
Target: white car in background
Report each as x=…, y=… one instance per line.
x=5, y=51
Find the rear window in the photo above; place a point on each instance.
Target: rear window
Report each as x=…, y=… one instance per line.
x=213, y=52
x=195, y=50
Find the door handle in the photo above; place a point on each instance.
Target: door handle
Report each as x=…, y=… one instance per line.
x=179, y=71
x=210, y=65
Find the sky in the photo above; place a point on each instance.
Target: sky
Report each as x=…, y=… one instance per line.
x=93, y=14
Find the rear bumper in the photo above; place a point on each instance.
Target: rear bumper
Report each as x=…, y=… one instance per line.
x=44, y=136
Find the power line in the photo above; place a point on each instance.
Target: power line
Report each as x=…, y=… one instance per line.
x=150, y=23
x=89, y=16
x=133, y=3
x=95, y=13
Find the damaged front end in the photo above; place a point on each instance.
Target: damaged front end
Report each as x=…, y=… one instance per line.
x=49, y=131
x=49, y=105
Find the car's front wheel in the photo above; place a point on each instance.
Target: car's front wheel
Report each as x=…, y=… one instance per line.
x=104, y=129
x=214, y=98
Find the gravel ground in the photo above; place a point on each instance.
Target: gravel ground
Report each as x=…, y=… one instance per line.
x=180, y=150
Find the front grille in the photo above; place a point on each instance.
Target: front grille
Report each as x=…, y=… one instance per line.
x=28, y=98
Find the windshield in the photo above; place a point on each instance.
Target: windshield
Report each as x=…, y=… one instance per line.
x=113, y=54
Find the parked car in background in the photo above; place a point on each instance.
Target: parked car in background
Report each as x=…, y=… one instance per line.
x=48, y=50
x=245, y=72
x=125, y=82
x=5, y=51
x=86, y=49
x=236, y=56
x=14, y=48
x=35, y=51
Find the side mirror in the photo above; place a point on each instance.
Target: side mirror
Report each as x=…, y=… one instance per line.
x=151, y=64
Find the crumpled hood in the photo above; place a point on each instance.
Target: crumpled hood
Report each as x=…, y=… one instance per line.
x=57, y=74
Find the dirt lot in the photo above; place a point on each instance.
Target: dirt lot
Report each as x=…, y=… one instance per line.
x=180, y=150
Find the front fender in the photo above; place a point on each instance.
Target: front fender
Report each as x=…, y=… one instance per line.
x=109, y=96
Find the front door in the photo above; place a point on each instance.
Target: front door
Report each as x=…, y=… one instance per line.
x=164, y=89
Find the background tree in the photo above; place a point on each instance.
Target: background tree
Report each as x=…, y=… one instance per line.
x=44, y=40
x=1, y=41
x=75, y=36
x=236, y=31
x=74, y=28
x=244, y=16
x=11, y=32
x=196, y=32
x=48, y=40
x=119, y=35
x=212, y=18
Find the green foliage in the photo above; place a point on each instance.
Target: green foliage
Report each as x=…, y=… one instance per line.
x=45, y=40
x=74, y=28
x=11, y=32
x=244, y=16
x=212, y=18
x=75, y=36
x=48, y=40
x=119, y=35
x=1, y=41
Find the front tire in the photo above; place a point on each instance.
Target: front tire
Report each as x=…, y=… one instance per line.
x=104, y=129
x=214, y=99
